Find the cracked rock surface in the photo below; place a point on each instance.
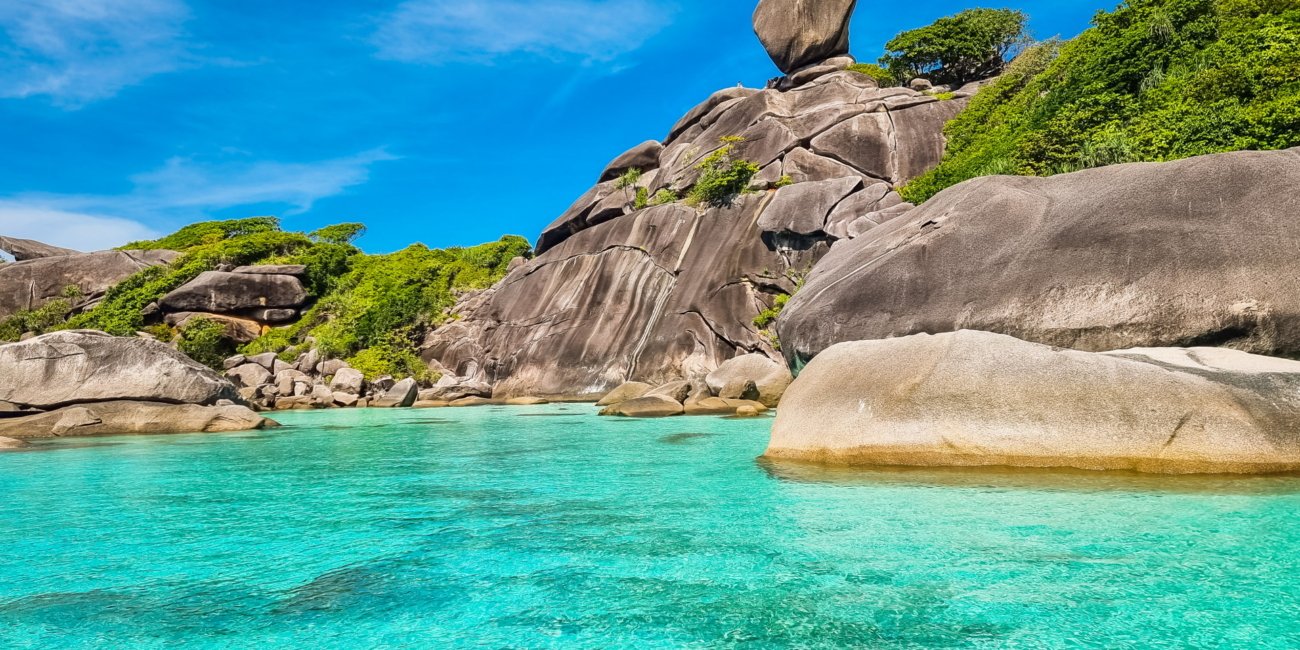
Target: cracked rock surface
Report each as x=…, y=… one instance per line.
x=975, y=398
x=619, y=293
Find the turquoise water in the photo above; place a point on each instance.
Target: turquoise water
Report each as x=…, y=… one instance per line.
x=549, y=528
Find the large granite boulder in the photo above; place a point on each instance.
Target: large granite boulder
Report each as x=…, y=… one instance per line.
x=798, y=33
x=34, y=282
x=622, y=292
x=133, y=417
x=1203, y=251
x=73, y=367
x=239, y=330
x=226, y=292
x=976, y=398
x=401, y=395
x=30, y=249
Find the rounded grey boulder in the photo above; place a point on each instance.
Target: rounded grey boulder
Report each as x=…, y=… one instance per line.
x=974, y=398
x=798, y=33
x=78, y=366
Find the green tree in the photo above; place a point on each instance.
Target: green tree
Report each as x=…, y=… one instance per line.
x=974, y=44
x=341, y=233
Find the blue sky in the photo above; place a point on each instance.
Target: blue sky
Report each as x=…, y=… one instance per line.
x=449, y=122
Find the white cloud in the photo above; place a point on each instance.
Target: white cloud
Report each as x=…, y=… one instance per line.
x=437, y=31
x=181, y=191
x=80, y=51
x=83, y=232
x=182, y=183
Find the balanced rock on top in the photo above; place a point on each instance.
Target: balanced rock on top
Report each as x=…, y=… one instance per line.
x=798, y=33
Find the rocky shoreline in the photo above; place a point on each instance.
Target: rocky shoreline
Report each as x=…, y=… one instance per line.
x=1132, y=316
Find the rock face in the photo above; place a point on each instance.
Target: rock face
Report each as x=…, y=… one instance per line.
x=1203, y=251
x=32, y=283
x=975, y=398
x=109, y=418
x=30, y=249
x=798, y=33
x=81, y=366
x=670, y=292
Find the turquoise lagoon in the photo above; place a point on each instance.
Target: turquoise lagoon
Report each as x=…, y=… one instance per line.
x=547, y=527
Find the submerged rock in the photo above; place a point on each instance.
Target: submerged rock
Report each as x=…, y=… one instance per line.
x=1202, y=251
x=11, y=443
x=976, y=398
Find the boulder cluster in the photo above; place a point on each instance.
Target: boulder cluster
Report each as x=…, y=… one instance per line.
x=79, y=382
x=312, y=382
x=745, y=386
x=245, y=300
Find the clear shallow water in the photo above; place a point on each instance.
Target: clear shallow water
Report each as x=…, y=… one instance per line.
x=546, y=527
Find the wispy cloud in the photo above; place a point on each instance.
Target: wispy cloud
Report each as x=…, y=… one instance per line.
x=438, y=31
x=79, y=51
x=84, y=232
x=181, y=191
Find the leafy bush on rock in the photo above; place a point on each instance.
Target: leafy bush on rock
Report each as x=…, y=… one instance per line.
x=723, y=177
x=1154, y=80
x=204, y=340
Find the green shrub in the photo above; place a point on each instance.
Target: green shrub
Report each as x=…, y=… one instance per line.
x=881, y=75
x=628, y=179
x=42, y=319
x=204, y=340
x=380, y=360
x=381, y=308
x=971, y=45
x=765, y=318
x=722, y=177
x=1153, y=80
x=784, y=181
x=664, y=197
x=161, y=332
x=642, y=198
